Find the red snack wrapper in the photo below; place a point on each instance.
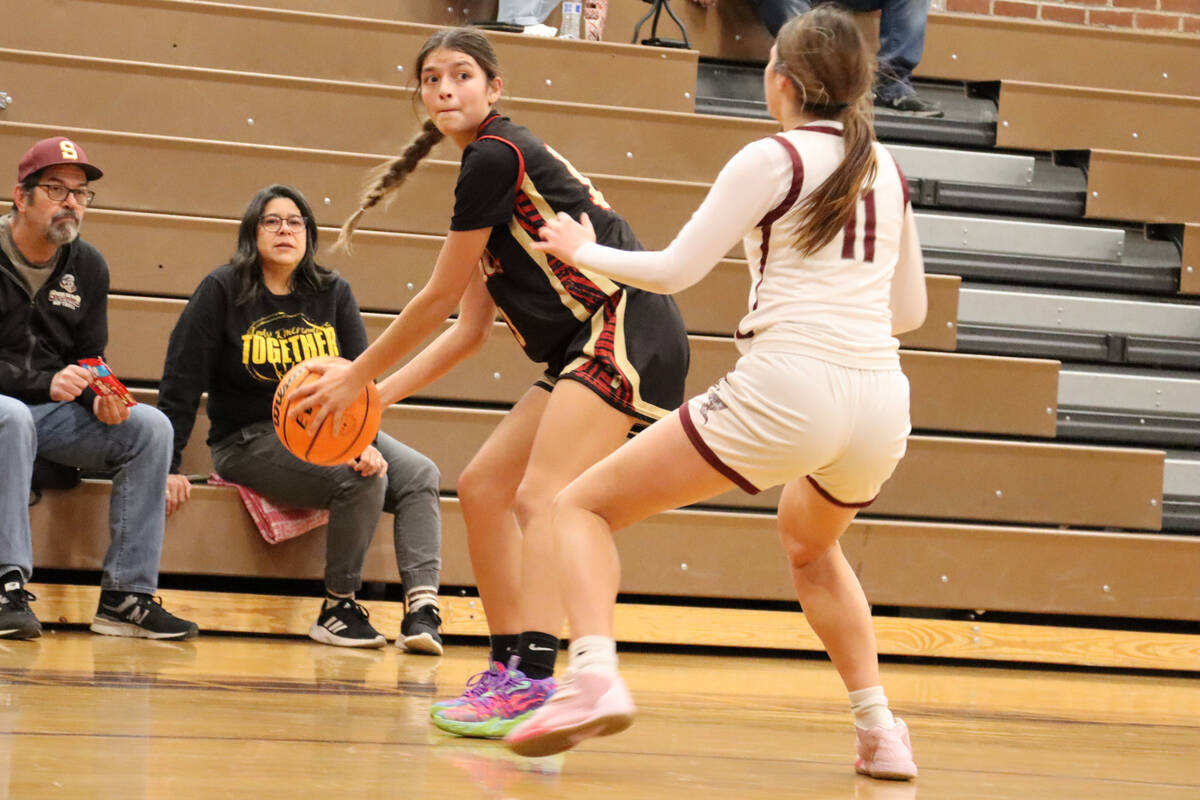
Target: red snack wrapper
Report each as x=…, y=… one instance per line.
x=104, y=382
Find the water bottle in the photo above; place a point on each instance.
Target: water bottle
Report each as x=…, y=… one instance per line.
x=571, y=14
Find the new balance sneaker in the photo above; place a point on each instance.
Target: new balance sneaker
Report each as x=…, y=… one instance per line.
x=493, y=714
x=910, y=103
x=16, y=617
x=478, y=685
x=345, y=624
x=588, y=704
x=419, y=631
x=139, y=615
x=886, y=753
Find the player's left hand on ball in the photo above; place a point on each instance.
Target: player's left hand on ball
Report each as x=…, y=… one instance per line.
x=110, y=410
x=563, y=236
x=371, y=462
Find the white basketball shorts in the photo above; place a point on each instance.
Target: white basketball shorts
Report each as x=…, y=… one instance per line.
x=779, y=416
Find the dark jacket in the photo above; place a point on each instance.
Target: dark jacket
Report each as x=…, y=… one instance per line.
x=65, y=321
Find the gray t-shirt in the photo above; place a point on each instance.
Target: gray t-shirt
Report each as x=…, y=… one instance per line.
x=35, y=275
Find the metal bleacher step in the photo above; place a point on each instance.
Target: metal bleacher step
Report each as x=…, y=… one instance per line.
x=1181, y=492
x=1137, y=406
x=736, y=90
x=1080, y=326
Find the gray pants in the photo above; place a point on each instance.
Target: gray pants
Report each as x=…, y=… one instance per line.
x=254, y=457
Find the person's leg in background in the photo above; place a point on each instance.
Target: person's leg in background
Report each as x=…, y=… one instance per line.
x=901, y=43
x=413, y=481
x=18, y=442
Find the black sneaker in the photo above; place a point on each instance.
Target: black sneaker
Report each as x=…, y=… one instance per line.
x=345, y=624
x=419, y=631
x=140, y=616
x=910, y=103
x=16, y=617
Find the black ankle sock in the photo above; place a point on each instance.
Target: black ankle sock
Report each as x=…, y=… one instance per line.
x=113, y=597
x=15, y=575
x=537, y=651
x=504, y=646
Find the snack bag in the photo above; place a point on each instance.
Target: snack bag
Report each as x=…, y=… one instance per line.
x=104, y=382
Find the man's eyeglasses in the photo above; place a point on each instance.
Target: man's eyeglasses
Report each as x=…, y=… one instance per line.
x=57, y=193
x=273, y=224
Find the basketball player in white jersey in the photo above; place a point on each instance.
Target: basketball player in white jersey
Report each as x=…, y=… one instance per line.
x=816, y=402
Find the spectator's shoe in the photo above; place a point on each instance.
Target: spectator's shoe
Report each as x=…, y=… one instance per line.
x=494, y=714
x=588, y=704
x=886, y=753
x=419, y=631
x=478, y=685
x=139, y=615
x=345, y=624
x=16, y=617
x=909, y=103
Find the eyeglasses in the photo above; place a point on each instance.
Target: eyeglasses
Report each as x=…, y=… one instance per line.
x=57, y=193
x=273, y=224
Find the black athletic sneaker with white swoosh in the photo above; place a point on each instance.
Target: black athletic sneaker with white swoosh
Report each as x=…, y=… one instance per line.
x=140, y=616
x=16, y=617
x=345, y=623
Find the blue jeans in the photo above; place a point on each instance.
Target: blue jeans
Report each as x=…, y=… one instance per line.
x=901, y=34
x=255, y=458
x=138, y=451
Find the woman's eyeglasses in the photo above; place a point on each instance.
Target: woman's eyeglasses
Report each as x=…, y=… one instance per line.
x=273, y=224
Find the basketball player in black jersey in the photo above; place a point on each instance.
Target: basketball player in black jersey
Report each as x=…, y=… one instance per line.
x=615, y=357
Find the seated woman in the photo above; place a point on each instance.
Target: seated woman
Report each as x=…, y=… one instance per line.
x=245, y=326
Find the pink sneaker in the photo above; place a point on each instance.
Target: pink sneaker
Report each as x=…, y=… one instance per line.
x=886, y=753
x=588, y=704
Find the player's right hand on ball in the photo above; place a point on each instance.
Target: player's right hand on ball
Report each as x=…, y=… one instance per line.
x=329, y=395
x=69, y=382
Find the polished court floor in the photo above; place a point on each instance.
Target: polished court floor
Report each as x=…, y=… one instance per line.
x=85, y=716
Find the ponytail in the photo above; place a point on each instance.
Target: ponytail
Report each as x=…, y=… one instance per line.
x=828, y=209
x=387, y=178
x=823, y=55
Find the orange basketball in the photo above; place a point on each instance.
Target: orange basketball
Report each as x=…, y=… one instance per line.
x=326, y=446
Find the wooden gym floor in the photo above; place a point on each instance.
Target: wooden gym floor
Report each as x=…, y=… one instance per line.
x=85, y=716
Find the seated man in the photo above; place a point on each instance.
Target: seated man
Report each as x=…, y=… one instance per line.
x=53, y=312
x=901, y=42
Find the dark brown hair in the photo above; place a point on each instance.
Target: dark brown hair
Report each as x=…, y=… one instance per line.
x=387, y=177
x=824, y=56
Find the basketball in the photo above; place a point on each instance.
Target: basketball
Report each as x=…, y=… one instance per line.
x=325, y=446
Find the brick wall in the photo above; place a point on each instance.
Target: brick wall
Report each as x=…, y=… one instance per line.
x=1177, y=16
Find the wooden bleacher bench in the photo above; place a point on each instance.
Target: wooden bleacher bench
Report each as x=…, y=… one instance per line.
x=951, y=392
x=269, y=41
x=1045, y=116
x=691, y=553
x=940, y=477
x=139, y=97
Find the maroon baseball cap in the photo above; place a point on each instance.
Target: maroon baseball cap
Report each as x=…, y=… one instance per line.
x=50, y=152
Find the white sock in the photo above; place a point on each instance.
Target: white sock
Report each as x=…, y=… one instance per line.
x=419, y=596
x=870, y=707
x=598, y=653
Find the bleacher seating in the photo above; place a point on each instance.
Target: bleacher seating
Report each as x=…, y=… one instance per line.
x=1011, y=499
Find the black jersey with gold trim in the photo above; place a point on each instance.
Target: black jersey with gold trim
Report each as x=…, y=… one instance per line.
x=512, y=181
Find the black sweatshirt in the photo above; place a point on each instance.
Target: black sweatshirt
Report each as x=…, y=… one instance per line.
x=66, y=320
x=239, y=353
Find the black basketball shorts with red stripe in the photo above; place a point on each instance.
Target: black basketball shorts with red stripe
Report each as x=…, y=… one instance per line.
x=633, y=353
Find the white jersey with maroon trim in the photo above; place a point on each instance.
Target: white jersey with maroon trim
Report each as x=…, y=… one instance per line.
x=832, y=304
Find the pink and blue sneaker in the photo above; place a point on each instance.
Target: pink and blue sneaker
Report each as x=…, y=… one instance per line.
x=478, y=685
x=509, y=702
